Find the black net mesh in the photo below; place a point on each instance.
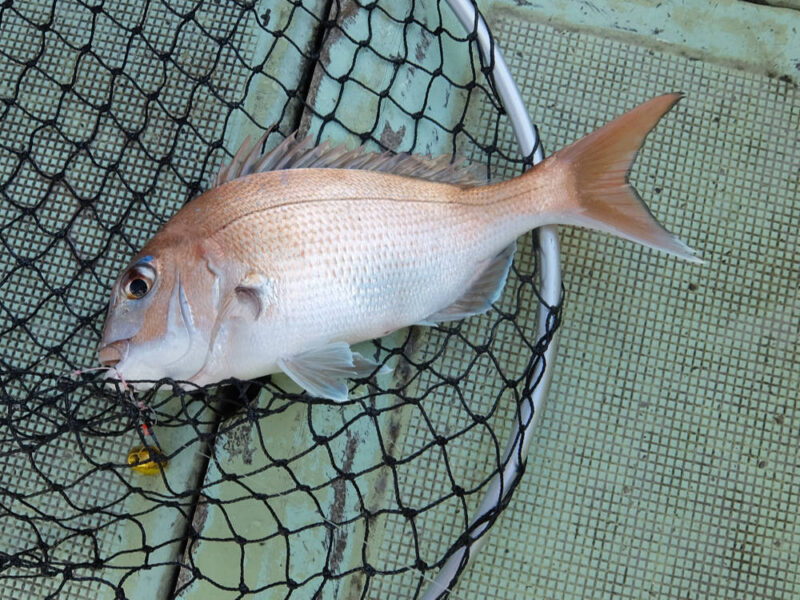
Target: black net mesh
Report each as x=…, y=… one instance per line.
x=116, y=113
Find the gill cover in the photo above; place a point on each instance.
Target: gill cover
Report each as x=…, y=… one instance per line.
x=150, y=331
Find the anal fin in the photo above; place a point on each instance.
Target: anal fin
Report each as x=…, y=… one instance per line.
x=481, y=292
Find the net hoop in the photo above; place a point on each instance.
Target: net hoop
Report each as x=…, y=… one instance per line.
x=530, y=407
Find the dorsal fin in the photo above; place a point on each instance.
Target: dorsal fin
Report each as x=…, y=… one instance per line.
x=293, y=153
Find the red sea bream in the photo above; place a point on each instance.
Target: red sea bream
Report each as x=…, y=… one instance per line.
x=294, y=256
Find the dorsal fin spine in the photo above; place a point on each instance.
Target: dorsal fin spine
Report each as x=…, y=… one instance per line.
x=294, y=153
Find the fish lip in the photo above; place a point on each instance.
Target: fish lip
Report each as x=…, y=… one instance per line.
x=111, y=354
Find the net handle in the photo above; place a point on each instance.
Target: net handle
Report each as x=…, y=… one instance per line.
x=529, y=410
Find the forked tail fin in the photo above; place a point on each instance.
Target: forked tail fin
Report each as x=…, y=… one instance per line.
x=597, y=167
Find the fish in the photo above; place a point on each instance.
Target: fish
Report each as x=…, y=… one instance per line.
x=295, y=255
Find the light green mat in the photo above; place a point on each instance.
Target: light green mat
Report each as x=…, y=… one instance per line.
x=666, y=465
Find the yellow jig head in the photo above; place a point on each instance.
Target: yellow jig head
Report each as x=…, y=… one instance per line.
x=147, y=460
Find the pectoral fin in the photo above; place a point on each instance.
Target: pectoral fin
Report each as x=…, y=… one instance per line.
x=323, y=372
x=249, y=300
x=484, y=289
x=246, y=302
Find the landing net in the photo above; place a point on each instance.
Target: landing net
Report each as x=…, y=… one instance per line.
x=113, y=116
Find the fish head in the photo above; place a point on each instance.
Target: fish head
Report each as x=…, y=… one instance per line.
x=155, y=326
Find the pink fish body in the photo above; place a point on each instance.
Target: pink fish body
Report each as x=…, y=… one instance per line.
x=299, y=254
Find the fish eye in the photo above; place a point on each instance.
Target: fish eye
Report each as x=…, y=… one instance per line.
x=138, y=281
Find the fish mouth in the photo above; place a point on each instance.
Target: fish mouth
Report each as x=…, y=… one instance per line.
x=111, y=354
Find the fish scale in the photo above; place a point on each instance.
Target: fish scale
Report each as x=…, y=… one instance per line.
x=338, y=251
